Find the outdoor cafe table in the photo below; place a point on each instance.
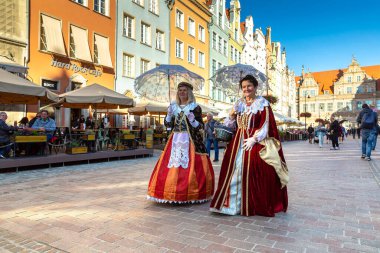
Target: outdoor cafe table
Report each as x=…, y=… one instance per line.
x=19, y=139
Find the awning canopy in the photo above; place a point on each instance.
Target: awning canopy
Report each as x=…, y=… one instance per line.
x=80, y=43
x=17, y=90
x=103, y=48
x=53, y=34
x=97, y=96
x=11, y=66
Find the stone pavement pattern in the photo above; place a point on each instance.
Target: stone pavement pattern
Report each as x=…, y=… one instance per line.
x=334, y=206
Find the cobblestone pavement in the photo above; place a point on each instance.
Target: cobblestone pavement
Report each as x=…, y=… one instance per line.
x=334, y=206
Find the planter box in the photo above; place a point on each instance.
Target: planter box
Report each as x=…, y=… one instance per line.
x=89, y=137
x=30, y=138
x=76, y=150
x=119, y=148
x=128, y=137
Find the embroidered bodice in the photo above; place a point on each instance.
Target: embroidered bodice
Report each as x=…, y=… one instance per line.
x=246, y=112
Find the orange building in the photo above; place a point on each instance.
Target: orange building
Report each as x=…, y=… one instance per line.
x=72, y=44
x=189, y=39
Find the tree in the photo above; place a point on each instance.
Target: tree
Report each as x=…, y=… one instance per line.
x=271, y=99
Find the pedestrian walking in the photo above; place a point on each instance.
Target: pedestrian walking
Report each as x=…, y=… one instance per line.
x=254, y=174
x=353, y=132
x=210, y=137
x=368, y=121
x=320, y=132
x=183, y=173
x=335, y=131
x=358, y=132
x=310, y=131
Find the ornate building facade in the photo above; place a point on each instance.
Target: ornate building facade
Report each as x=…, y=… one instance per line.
x=338, y=93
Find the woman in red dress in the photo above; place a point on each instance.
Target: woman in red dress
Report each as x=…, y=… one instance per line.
x=184, y=173
x=253, y=175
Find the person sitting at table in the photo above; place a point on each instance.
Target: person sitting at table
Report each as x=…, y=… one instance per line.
x=45, y=124
x=90, y=124
x=23, y=122
x=31, y=122
x=5, y=132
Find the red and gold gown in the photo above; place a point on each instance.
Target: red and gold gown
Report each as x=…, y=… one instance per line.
x=253, y=182
x=184, y=173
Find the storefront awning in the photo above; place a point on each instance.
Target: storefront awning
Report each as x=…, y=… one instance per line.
x=53, y=34
x=11, y=66
x=104, y=56
x=81, y=47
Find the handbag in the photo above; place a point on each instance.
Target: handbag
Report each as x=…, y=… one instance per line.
x=224, y=133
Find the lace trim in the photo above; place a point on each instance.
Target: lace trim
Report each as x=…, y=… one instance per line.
x=177, y=109
x=179, y=155
x=176, y=202
x=258, y=105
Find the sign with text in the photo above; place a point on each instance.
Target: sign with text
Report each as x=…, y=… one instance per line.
x=76, y=68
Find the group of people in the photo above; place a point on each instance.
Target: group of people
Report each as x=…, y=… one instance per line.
x=253, y=174
x=41, y=122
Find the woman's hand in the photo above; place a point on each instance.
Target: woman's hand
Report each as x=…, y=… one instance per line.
x=248, y=143
x=191, y=117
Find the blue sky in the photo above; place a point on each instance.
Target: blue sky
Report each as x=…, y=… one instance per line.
x=320, y=34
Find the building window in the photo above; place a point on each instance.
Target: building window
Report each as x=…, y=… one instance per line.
x=201, y=60
x=179, y=49
x=82, y=2
x=139, y=2
x=239, y=59
x=153, y=6
x=220, y=19
x=220, y=47
x=144, y=66
x=232, y=53
x=358, y=78
x=191, y=55
x=236, y=55
x=349, y=79
x=128, y=65
x=219, y=65
x=160, y=40
x=360, y=90
x=312, y=107
x=179, y=19
x=214, y=40
x=129, y=26
x=359, y=105
x=201, y=33
x=349, y=105
x=236, y=34
x=339, y=105
x=369, y=102
x=191, y=27
x=329, y=107
x=213, y=67
x=349, y=90
x=145, y=34
x=225, y=48
x=101, y=6
x=322, y=107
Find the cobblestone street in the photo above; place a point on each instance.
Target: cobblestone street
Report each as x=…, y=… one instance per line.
x=334, y=206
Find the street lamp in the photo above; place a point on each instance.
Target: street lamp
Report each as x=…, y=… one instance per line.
x=271, y=59
x=306, y=96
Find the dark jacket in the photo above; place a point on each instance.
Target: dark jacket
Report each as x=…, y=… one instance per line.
x=5, y=131
x=361, y=114
x=335, y=129
x=209, y=129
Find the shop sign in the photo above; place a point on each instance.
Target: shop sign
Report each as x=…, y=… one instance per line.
x=76, y=68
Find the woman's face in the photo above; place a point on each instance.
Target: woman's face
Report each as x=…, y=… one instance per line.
x=183, y=94
x=249, y=90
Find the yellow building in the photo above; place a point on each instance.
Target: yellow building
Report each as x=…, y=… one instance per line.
x=236, y=40
x=189, y=39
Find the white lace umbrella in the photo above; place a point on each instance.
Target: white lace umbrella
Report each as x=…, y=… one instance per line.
x=228, y=78
x=160, y=84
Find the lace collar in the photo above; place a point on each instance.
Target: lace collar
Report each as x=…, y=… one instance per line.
x=177, y=109
x=258, y=105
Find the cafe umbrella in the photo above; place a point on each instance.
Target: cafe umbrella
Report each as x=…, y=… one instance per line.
x=160, y=84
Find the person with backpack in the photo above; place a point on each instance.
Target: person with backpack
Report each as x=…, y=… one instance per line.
x=367, y=120
x=335, y=132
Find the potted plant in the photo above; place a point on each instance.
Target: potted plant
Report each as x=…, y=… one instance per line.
x=73, y=147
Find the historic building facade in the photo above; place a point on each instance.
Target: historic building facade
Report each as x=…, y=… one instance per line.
x=338, y=93
x=218, y=30
x=71, y=45
x=189, y=39
x=142, y=39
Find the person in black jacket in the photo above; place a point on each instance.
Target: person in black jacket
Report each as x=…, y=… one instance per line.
x=5, y=132
x=335, y=131
x=368, y=130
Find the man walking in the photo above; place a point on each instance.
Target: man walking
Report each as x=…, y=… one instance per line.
x=310, y=131
x=368, y=121
x=210, y=136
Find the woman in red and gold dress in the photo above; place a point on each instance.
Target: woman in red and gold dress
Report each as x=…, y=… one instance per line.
x=253, y=175
x=184, y=173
